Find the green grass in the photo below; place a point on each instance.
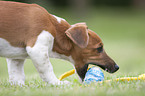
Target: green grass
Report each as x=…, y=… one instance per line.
x=123, y=34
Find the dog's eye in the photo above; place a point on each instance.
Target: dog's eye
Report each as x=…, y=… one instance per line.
x=100, y=49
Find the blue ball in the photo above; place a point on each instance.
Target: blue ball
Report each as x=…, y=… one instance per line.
x=94, y=74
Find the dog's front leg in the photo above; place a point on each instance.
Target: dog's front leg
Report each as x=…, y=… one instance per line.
x=41, y=61
x=16, y=71
x=39, y=54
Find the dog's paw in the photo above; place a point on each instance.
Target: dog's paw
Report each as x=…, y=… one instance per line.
x=66, y=82
x=61, y=83
x=17, y=83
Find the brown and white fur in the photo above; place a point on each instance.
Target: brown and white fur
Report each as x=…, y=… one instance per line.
x=29, y=31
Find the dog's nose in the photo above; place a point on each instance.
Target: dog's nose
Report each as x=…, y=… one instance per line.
x=116, y=67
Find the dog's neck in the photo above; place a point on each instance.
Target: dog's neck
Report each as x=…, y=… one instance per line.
x=62, y=44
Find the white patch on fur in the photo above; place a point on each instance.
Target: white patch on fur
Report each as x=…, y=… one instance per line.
x=59, y=19
x=39, y=54
x=8, y=51
x=16, y=71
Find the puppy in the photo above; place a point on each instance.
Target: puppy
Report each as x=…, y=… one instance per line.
x=29, y=31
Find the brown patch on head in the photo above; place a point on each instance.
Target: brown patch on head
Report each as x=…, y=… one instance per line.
x=78, y=33
x=94, y=39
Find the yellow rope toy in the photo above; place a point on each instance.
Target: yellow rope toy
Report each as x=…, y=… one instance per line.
x=140, y=77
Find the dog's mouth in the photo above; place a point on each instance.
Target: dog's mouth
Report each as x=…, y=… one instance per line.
x=103, y=67
x=106, y=68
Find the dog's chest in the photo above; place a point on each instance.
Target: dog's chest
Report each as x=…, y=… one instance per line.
x=8, y=51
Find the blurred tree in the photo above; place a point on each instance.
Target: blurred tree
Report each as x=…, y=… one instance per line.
x=79, y=7
x=60, y=3
x=112, y=2
x=81, y=4
x=139, y=3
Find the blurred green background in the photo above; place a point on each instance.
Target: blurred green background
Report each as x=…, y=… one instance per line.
x=120, y=24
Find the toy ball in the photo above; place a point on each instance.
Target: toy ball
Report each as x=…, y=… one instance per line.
x=94, y=74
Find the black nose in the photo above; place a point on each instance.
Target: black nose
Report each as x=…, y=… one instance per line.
x=116, y=67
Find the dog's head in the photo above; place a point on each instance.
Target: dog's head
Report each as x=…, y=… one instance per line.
x=88, y=49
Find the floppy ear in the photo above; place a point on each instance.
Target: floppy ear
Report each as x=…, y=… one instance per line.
x=78, y=33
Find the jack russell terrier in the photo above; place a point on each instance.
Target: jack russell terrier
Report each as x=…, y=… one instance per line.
x=29, y=31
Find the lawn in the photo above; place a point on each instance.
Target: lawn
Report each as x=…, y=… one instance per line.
x=123, y=34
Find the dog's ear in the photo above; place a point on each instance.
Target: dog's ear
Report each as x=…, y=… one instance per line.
x=78, y=33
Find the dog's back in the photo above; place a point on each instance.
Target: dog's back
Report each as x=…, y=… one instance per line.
x=20, y=22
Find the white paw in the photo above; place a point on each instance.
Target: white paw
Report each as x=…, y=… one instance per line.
x=19, y=83
x=66, y=82
x=61, y=83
